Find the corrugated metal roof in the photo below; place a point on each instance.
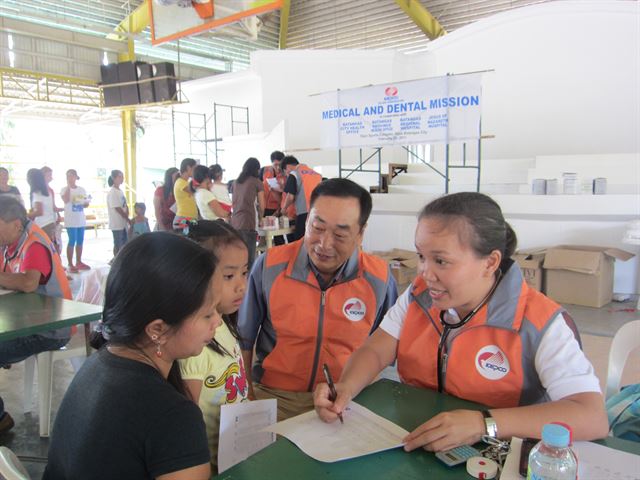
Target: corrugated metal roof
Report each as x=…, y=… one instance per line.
x=366, y=24
x=378, y=24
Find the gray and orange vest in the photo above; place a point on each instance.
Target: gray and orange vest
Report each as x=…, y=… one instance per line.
x=491, y=359
x=57, y=284
x=314, y=326
x=307, y=179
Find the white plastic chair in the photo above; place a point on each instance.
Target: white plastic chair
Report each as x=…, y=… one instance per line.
x=10, y=466
x=45, y=360
x=624, y=342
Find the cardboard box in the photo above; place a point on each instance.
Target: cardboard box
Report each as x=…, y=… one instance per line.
x=581, y=275
x=530, y=263
x=403, y=263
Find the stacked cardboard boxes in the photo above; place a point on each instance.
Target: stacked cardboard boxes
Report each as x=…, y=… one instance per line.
x=403, y=264
x=576, y=274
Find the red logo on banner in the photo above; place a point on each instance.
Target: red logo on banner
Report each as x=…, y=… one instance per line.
x=391, y=91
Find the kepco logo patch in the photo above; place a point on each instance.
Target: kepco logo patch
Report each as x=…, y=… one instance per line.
x=354, y=309
x=390, y=93
x=492, y=363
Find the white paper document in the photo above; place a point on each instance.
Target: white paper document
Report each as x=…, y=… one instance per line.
x=604, y=463
x=595, y=462
x=241, y=430
x=362, y=433
x=273, y=184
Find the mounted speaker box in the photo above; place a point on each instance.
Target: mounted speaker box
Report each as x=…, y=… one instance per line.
x=127, y=74
x=145, y=88
x=164, y=88
x=109, y=74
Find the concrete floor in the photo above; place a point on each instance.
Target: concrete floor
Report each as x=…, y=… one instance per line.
x=597, y=327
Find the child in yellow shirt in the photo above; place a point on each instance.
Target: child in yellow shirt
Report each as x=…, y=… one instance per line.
x=217, y=376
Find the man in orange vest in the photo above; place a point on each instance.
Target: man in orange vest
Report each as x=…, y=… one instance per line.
x=30, y=263
x=301, y=181
x=313, y=301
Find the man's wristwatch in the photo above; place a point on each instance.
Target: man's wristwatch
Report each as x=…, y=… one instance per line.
x=491, y=428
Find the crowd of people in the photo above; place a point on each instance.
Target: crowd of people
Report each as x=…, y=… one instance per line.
x=192, y=321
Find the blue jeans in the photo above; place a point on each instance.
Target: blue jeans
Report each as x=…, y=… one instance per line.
x=16, y=350
x=119, y=239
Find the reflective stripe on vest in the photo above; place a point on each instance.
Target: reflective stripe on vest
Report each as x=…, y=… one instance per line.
x=307, y=180
x=57, y=285
x=491, y=360
x=313, y=327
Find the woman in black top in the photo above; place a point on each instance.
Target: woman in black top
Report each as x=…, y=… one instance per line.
x=127, y=413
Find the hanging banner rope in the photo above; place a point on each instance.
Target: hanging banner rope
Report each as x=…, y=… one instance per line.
x=432, y=110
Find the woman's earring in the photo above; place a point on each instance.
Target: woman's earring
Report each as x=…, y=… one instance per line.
x=154, y=339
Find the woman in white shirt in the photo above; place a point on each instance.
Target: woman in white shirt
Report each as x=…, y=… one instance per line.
x=471, y=327
x=42, y=208
x=208, y=206
x=219, y=189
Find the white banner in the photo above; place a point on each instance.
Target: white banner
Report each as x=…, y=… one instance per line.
x=432, y=110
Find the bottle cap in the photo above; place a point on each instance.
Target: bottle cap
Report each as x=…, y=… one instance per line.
x=483, y=468
x=555, y=435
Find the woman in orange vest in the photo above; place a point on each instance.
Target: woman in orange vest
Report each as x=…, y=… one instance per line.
x=471, y=327
x=29, y=263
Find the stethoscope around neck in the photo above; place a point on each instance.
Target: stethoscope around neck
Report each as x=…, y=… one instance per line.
x=448, y=326
x=14, y=254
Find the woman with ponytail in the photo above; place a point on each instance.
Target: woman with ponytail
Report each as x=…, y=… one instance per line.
x=118, y=211
x=471, y=327
x=127, y=410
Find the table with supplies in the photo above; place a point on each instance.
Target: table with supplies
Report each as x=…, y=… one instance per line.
x=269, y=234
x=404, y=405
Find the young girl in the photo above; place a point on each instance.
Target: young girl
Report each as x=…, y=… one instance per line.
x=127, y=409
x=208, y=206
x=139, y=223
x=42, y=207
x=217, y=376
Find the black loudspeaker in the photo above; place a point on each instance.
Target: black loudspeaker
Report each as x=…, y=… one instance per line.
x=109, y=74
x=164, y=88
x=145, y=88
x=128, y=93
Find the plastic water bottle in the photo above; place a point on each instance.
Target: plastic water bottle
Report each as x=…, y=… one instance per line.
x=552, y=459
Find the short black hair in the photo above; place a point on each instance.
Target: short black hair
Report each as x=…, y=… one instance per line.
x=344, y=188
x=11, y=209
x=288, y=160
x=276, y=155
x=187, y=163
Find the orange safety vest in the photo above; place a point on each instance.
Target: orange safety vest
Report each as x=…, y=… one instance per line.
x=307, y=179
x=57, y=285
x=272, y=198
x=313, y=326
x=490, y=360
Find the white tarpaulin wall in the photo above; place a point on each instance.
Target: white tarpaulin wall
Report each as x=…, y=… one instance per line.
x=432, y=110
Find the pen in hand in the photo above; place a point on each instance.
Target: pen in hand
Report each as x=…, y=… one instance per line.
x=332, y=387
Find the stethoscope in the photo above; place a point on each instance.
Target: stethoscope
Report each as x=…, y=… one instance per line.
x=8, y=258
x=448, y=326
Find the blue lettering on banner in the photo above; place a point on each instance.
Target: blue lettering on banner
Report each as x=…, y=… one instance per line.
x=406, y=107
x=464, y=101
x=373, y=110
x=340, y=113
